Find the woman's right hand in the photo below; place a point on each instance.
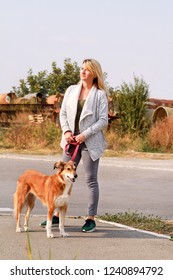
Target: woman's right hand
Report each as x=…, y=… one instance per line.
x=68, y=136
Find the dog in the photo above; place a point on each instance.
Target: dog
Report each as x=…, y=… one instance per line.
x=53, y=191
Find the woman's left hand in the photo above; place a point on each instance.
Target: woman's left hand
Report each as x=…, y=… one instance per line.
x=80, y=138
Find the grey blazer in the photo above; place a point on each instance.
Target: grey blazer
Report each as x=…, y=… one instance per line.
x=93, y=119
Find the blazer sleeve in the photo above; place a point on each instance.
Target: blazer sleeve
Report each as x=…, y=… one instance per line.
x=63, y=112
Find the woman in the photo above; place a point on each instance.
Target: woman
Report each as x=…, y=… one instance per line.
x=84, y=114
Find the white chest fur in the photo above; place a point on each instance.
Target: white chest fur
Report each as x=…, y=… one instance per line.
x=64, y=198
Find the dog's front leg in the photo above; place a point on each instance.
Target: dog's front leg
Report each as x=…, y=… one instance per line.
x=49, y=224
x=62, y=214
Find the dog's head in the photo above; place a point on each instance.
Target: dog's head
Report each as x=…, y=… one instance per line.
x=67, y=170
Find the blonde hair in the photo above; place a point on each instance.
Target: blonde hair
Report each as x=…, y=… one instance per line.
x=95, y=68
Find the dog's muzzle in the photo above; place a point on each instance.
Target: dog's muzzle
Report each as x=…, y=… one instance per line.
x=72, y=179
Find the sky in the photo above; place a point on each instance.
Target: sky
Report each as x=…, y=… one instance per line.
x=128, y=37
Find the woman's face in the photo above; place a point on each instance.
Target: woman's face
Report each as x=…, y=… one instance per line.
x=85, y=74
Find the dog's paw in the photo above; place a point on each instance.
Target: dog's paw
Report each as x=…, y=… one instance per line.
x=19, y=229
x=50, y=235
x=64, y=234
x=26, y=228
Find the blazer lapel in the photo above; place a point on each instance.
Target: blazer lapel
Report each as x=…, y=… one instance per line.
x=89, y=103
x=73, y=99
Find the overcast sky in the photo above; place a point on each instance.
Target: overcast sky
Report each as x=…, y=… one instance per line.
x=128, y=37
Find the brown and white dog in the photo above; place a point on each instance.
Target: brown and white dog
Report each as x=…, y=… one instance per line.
x=54, y=192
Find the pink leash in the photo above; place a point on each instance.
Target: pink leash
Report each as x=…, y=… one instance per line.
x=74, y=149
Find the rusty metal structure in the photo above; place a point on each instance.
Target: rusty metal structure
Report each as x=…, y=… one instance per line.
x=159, y=109
x=37, y=108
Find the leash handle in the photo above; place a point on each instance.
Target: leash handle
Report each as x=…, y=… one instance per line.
x=74, y=149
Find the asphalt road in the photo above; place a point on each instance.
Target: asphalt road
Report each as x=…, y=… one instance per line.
x=126, y=184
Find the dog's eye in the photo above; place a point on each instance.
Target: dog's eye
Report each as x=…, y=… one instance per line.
x=68, y=168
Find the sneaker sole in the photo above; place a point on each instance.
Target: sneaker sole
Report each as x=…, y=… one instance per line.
x=91, y=230
x=53, y=225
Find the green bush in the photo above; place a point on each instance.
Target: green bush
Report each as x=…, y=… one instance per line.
x=132, y=100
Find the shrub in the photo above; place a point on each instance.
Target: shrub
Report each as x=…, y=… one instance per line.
x=132, y=107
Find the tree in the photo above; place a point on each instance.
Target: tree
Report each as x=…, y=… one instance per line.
x=132, y=100
x=51, y=83
x=63, y=79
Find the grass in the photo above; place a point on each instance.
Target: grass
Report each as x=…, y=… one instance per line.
x=140, y=221
x=29, y=249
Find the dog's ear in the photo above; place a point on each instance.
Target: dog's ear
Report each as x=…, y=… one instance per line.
x=59, y=165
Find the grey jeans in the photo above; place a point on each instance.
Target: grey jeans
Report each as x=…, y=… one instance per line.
x=91, y=174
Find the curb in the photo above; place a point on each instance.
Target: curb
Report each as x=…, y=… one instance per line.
x=135, y=229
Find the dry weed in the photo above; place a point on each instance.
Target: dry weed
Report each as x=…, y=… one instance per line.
x=161, y=134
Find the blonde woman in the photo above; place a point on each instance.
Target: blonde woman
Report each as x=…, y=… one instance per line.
x=84, y=114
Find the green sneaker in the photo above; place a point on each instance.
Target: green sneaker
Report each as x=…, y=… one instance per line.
x=55, y=222
x=89, y=226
